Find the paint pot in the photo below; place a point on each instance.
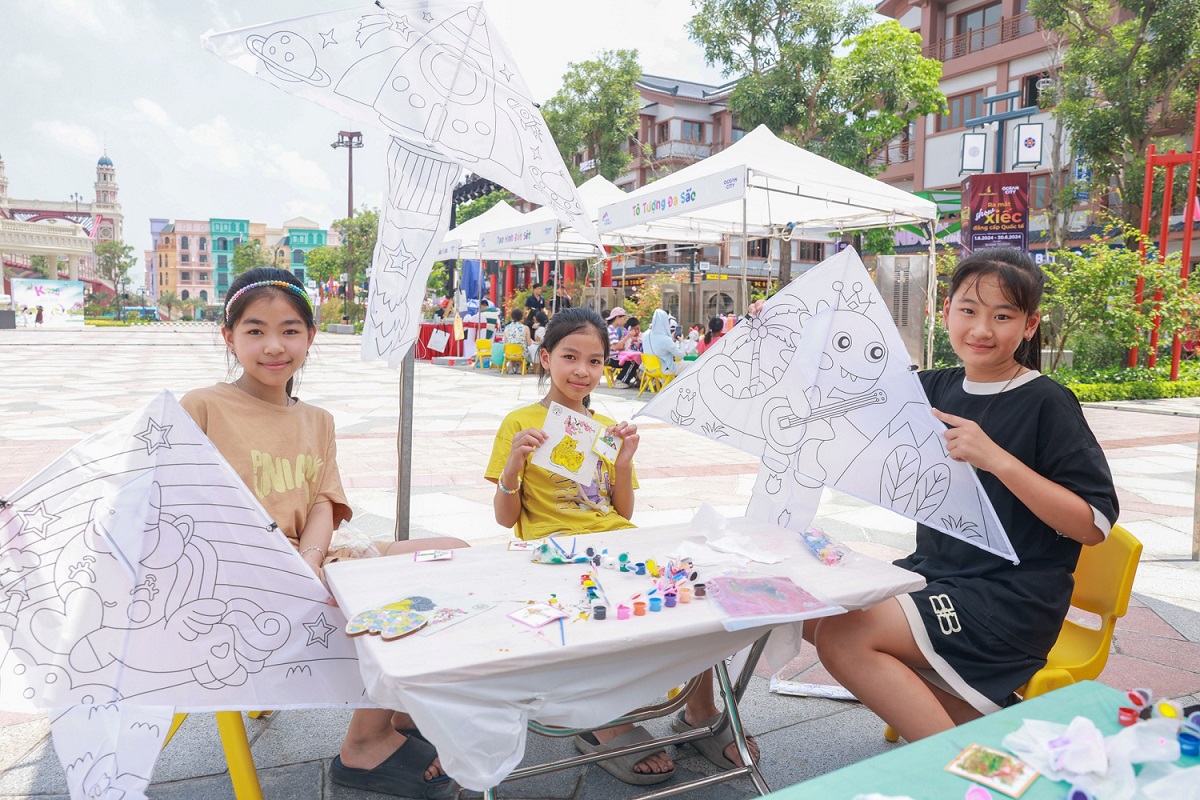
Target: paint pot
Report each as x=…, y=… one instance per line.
x=1168, y=710
x=652, y=568
x=977, y=793
x=1139, y=698
x=639, y=609
x=640, y=568
x=669, y=601
x=1189, y=743
x=599, y=612
x=622, y=612
x=1127, y=715
x=685, y=594
x=701, y=591
x=608, y=562
x=656, y=604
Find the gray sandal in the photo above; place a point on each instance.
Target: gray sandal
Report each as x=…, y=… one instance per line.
x=711, y=747
x=622, y=767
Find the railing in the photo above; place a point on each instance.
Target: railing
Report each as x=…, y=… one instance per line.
x=37, y=236
x=894, y=153
x=982, y=38
x=683, y=148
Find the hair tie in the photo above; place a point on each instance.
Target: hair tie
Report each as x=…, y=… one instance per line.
x=297, y=289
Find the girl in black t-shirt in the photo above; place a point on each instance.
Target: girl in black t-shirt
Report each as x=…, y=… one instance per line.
x=982, y=627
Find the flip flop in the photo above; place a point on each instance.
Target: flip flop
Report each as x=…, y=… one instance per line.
x=622, y=767
x=711, y=747
x=402, y=774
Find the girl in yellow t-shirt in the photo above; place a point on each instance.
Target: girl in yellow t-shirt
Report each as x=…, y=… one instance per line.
x=537, y=502
x=268, y=328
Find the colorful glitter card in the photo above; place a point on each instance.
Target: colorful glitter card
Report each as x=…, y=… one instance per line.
x=567, y=450
x=994, y=769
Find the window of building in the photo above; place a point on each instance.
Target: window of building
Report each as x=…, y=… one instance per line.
x=693, y=132
x=962, y=108
x=299, y=273
x=1039, y=190
x=222, y=243
x=280, y=254
x=185, y=258
x=203, y=258
x=184, y=295
x=237, y=241
x=183, y=243
x=222, y=280
x=222, y=262
x=167, y=240
x=810, y=251
x=1034, y=90
x=186, y=276
x=738, y=133
x=204, y=277
x=759, y=248
x=203, y=243
x=980, y=27
x=204, y=295
x=297, y=256
x=664, y=131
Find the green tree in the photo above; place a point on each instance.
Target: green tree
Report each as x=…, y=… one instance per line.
x=1123, y=84
x=114, y=259
x=358, y=244
x=41, y=265
x=324, y=263
x=473, y=208
x=596, y=111
x=820, y=73
x=1091, y=293
x=249, y=255
x=170, y=301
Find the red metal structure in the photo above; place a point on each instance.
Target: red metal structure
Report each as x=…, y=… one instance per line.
x=1169, y=161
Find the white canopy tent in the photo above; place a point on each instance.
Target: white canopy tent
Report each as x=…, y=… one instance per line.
x=761, y=183
x=463, y=241
x=783, y=183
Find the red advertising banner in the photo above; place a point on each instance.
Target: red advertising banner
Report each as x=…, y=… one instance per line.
x=995, y=208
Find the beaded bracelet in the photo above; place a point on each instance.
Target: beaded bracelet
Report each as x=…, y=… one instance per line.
x=318, y=549
x=500, y=485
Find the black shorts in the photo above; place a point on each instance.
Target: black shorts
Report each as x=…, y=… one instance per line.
x=969, y=660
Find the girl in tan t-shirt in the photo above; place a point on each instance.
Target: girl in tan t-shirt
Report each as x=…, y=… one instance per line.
x=284, y=450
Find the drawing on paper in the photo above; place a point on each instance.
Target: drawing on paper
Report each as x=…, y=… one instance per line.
x=820, y=386
x=437, y=77
x=138, y=569
x=568, y=450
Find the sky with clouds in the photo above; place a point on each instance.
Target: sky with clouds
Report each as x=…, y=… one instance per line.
x=192, y=137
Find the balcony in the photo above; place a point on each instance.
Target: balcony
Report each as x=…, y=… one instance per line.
x=682, y=149
x=1006, y=30
x=894, y=153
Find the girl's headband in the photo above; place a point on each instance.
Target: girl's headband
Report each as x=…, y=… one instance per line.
x=256, y=284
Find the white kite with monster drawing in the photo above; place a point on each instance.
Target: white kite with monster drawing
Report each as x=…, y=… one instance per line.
x=819, y=384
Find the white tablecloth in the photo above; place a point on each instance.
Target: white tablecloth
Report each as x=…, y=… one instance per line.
x=473, y=686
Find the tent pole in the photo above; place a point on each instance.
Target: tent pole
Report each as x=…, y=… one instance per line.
x=404, y=437
x=745, y=252
x=554, y=275
x=931, y=296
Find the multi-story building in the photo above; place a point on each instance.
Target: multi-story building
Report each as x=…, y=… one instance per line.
x=987, y=48
x=65, y=232
x=194, y=258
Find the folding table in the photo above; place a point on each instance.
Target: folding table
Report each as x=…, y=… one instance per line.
x=474, y=687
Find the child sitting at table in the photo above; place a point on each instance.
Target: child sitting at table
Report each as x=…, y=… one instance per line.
x=983, y=626
x=661, y=344
x=536, y=503
x=268, y=327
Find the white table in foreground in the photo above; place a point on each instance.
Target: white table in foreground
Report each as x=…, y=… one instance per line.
x=473, y=687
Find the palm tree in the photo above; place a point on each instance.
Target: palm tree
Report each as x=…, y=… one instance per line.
x=194, y=304
x=169, y=300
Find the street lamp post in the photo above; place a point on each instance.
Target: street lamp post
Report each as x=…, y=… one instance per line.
x=351, y=140
x=76, y=196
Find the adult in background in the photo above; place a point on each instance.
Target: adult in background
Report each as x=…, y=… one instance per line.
x=562, y=298
x=535, y=302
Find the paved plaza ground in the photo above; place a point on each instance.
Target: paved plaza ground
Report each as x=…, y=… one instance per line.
x=58, y=386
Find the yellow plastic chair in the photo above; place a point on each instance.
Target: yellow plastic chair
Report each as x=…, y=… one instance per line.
x=514, y=354
x=1103, y=584
x=483, y=353
x=653, y=378
x=609, y=374
x=236, y=744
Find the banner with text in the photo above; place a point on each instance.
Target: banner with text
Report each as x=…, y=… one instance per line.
x=61, y=302
x=703, y=192
x=996, y=210
x=522, y=235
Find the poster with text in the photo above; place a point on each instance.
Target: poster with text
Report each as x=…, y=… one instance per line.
x=996, y=210
x=61, y=302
